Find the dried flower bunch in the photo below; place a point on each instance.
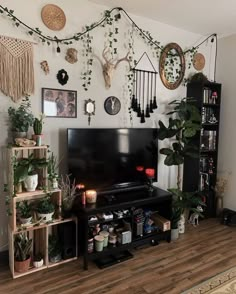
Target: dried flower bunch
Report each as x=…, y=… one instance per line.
x=221, y=185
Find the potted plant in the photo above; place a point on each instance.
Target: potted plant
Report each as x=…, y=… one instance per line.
x=182, y=129
x=37, y=127
x=38, y=260
x=52, y=171
x=45, y=209
x=24, y=210
x=25, y=170
x=175, y=217
x=54, y=249
x=22, y=247
x=68, y=191
x=21, y=119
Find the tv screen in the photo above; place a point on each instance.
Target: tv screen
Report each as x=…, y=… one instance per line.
x=104, y=159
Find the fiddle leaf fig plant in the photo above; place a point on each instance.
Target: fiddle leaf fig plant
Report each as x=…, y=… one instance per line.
x=182, y=128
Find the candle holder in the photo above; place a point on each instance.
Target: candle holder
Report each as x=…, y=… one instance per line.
x=150, y=176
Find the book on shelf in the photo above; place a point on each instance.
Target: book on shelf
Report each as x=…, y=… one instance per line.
x=208, y=140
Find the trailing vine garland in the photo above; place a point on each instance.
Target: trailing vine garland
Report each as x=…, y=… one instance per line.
x=106, y=19
x=109, y=19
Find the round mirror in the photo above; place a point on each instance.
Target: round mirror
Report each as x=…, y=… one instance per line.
x=172, y=66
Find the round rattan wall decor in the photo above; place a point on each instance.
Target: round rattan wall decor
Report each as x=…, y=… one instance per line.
x=198, y=61
x=53, y=17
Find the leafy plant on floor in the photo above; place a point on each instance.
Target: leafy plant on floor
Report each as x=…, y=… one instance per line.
x=181, y=129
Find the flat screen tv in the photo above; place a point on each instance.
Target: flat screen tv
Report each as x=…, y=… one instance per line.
x=107, y=159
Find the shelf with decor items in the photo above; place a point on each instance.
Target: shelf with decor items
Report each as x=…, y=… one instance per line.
x=36, y=224
x=200, y=173
x=40, y=244
x=107, y=241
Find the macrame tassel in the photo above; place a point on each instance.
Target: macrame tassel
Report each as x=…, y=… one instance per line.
x=16, y=68
x=142, y=120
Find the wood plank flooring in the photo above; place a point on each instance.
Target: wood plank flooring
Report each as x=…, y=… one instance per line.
x=168, y=268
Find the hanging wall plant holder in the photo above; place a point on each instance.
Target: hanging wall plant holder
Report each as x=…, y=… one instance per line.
x=89, y=109
x=62, y=77
x=144, y=89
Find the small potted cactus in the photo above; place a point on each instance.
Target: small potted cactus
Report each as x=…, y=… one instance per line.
x=38, y=126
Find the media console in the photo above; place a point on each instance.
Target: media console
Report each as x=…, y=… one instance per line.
x=132, y=209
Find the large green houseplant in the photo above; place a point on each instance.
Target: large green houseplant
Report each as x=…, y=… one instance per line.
x=181, y=129
x=21, y=118
x=25, y=169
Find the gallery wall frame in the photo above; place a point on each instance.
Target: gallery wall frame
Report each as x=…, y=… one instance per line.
x=59, y=103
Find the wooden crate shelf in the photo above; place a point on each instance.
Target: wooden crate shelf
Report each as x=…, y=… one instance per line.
x=39, y=235
x=38, y=232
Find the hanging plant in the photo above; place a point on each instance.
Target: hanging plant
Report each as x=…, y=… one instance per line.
x=87, y=53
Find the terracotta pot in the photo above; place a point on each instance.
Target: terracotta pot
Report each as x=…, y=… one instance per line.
x=37, y=139
x=22, y=266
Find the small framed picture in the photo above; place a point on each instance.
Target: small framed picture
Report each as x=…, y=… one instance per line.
x=59, y=103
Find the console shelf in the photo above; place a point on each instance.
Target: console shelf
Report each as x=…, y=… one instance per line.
x=159, y=200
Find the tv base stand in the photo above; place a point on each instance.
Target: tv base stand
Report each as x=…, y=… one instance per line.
x=129, y=215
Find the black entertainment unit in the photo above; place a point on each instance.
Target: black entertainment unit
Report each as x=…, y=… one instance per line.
x=132, y=202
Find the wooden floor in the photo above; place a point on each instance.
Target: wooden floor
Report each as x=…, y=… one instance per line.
x=168, y=268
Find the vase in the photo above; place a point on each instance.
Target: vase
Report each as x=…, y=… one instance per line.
x=219, y=204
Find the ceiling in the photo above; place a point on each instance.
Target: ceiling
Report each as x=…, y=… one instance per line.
x=203, y=17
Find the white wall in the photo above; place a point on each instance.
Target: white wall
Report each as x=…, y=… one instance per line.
x=227, y=143
x=81, y=13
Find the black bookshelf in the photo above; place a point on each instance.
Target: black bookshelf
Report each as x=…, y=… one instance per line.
x=200, y=173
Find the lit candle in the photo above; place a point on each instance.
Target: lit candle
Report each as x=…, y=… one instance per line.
x=91, y=196
x=150, y=172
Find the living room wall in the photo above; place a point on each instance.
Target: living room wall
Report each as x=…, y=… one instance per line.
x=227, y=143
x=80, y=13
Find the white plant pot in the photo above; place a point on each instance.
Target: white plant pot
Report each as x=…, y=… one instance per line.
x=25, y=221
x=174, y=234
x=45, y=217
x=31, y=182
x=38, y=264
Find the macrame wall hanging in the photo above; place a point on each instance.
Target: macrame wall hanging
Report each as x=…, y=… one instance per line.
x=16, y=67
x=144, y=89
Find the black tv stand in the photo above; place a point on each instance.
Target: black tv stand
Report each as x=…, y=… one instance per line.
x=130, y=201
x=110, y=198
x=121, y=188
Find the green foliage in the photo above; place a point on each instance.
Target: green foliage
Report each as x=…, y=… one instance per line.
x=38, y=257
x=45, y=205
x=38, y=125
x=182, y=200
x=53, y=165
x=54, y=246
x=22, y=245
x=182, y=128
x=175, y=217
x=24, y=209
x=27, y=166
x=22, y=118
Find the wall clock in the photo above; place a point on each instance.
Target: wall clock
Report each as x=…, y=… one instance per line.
x=112, y=105
x=53, y=17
